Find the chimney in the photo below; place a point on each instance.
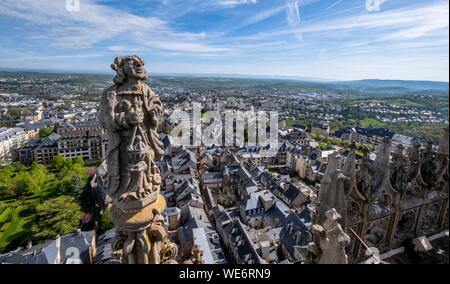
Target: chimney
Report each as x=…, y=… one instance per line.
x=58, y=248
x=265, y=250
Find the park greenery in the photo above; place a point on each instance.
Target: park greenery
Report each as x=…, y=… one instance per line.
x=39, y=202
x=45, y=132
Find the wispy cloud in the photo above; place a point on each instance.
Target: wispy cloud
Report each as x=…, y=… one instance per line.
x=293, y=17
x=286, y=37
x=334, y=4
x=397, y=24
x=96, y=23
x=236, y=2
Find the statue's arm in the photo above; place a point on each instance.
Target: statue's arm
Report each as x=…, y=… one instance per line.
x=107, y=117
x=153, y=107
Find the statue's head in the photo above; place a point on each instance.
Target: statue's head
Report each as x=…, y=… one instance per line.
x=129, y=67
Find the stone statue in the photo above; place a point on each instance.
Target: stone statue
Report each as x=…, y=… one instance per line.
x=429, y=165
x=330, y=240
x=372, y=179
x=130, y=113
x=196, y=256
x=442, y=156
x=414, y=160
x=376, y=233
x=399, y=171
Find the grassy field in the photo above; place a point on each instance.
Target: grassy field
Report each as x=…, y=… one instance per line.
x=15, y=222
x=18, y=215
x=371, y=122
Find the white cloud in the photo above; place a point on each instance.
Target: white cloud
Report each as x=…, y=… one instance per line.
x=397, y=24
x=293, y=16
x=98, y=23
x=236, y=2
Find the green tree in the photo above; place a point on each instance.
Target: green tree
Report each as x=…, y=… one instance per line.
x=68, y=165
x=323, y=146
x=63, y=186
x=55, y=216
x=78, y=160
x=45, y=132
x=40, y=174
x=25, y=185
x=106, y=222
x=78, y=169
x=5, y=174
x=77, y=186
x=368, y=146
x=58, y=163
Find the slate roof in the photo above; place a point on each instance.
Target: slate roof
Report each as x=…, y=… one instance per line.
x=241, y=243
x=46, y=253
x=104, y=248
x=380, y=132
x=295, y=236
x=277, y=214
x=252, y=202
x=212, y=175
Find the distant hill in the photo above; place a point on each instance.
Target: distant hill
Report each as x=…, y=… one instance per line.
x=412, y=85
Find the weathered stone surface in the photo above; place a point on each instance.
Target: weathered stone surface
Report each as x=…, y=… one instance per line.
x=130, y=112
x=421, y=244
x=330, y=240
x=332, y=191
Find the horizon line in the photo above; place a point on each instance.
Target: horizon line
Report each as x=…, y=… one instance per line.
x=211, y=75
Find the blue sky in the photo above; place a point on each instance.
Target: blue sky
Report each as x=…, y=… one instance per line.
x=328, y=39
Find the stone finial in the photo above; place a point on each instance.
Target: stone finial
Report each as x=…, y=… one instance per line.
x=332, y=190
x=381, y=169
x=330, y=240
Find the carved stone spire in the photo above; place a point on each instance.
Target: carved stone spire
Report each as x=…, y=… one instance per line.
x=332, y=190
x=381, y=168
x=349, y=169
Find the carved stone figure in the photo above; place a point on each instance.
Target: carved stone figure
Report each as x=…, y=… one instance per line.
x=414, y=160
x=196, y=256
x=405, y=226
x=130, y=113
x=372, y=179
x=442, y=156
x=399, y=171
x=330, y=240
x=430, y=219
x=429, y=165
x=375, y=233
